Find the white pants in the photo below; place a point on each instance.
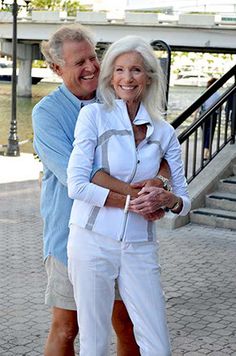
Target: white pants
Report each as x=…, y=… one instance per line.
x=95, y=261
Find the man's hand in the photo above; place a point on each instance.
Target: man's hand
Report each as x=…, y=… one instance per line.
x=154, y=182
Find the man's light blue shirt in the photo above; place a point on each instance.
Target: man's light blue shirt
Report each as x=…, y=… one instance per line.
x=54, y=119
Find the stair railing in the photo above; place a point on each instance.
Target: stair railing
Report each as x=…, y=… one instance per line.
x=221, y=133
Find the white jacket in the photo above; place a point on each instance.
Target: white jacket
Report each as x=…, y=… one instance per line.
x=105, y=139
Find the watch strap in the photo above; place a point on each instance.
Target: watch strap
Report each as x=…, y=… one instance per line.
x=176, y=206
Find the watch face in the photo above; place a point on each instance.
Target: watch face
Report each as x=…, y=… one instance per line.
x=165, y=181
x=166, y=185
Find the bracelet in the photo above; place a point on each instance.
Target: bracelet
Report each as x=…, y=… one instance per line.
x=176, y=206
x=165, y=181
x=127, y=204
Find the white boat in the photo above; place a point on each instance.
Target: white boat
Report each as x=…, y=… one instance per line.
x=37, y=74
x=191, y=79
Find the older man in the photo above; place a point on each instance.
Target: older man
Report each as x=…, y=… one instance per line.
x=70, y=52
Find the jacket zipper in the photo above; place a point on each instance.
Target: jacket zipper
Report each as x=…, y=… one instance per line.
x=130, y=180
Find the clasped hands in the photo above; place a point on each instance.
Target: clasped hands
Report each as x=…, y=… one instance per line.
x=147, y=196
x=151, y=199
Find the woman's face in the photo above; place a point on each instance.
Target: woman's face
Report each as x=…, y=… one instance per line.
x=129, y=78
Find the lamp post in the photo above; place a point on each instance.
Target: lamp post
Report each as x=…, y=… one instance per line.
x=161, y=45
x=13, y=142
x=13, y=148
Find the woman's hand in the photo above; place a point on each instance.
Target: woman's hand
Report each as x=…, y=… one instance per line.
x=103, y=179
x=151, y=199
x=148, y=201
x=157, y=215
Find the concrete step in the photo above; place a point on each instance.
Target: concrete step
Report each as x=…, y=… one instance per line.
x=214, y=217
x=228, y=185
x=234, y=169
x=221, y=200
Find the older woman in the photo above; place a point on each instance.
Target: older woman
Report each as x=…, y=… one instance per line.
x=110, y=239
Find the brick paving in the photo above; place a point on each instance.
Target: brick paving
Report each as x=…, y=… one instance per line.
x=198, y=274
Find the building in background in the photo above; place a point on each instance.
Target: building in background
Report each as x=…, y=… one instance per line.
x=168, y=6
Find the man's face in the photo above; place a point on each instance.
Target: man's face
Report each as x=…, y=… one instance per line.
x=81, y=69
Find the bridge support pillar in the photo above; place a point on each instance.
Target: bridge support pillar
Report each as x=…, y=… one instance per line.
x=24, y=86
x=24, y=55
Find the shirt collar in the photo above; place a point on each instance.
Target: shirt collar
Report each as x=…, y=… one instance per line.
x=76, y=101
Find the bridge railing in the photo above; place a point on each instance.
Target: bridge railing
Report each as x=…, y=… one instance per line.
x=124, y=17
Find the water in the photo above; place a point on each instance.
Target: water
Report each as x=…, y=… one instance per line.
x=24, y=110
x=179, y=99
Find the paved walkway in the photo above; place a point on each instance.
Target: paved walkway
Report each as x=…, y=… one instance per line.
x=198, y=273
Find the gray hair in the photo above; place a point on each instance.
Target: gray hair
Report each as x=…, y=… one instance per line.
x=154, y=97
x=52, y=49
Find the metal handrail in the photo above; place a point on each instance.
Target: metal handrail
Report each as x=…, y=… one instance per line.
x=192, y=143
x=191, y=128
x=197, y=103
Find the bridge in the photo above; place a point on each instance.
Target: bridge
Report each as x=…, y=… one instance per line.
x=187, y=32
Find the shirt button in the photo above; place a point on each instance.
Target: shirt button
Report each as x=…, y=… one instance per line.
x=138, y=161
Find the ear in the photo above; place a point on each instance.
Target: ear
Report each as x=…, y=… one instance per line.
x=57, y=69
x=149, y=80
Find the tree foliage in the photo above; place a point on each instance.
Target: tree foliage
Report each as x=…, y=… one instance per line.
x=71, y=6
x=45, y=4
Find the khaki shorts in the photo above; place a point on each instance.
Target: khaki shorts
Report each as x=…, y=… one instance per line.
x=59, y=291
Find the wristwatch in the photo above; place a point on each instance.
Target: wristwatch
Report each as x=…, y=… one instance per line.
x=165, y=181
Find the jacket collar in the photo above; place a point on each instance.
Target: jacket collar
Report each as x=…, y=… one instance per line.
x=141, y=118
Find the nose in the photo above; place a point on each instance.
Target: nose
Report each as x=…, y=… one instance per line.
x=89, y=66
x=128, y=75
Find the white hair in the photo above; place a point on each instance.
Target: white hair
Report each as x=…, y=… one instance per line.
x=154, y=96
